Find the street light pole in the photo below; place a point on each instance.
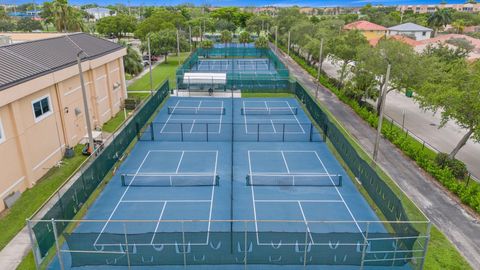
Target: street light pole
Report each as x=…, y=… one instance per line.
x=288, y=49
x=380, y=118
x=178, y=47
x=190, y=36
x=319, y=67
x=150, y=64
x=276, y=37
x=91, y=146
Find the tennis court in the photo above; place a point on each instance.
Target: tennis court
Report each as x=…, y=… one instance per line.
x=263, y=65
x=214, y=184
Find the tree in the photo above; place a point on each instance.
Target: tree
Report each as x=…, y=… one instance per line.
x=160, y=19
x=222, y=25
x=459, y=26
x=258, y=23
x=164, y=42
x=455, y=92
x=64, y=17
x=132, y=60
x=261, y=42
x=28, y=25
x=244, y=38
x=407, y=68
x=6, y=26
x=117, y=25
x=445, y=53
x=440, y=18
x=344, y=49
x=206, y=44
x=226, y=37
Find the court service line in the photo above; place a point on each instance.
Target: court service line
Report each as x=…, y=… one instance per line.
x=253, y=196
x=286, y=164
x=121, y=198
x=162, y=201
x=168, y=119
x=158, y=222
x=291, y=109
x=180, y=161
x=273, y=126
x=211, y=199
x=303, y=201
x=193, y=124
x=341, y=197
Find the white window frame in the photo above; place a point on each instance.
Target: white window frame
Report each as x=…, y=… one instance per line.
x=44, y=115
x=2, y=133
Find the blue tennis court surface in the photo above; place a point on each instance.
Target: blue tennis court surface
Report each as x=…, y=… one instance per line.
x=223, y=183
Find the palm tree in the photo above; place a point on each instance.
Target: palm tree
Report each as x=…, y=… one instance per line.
x=261, y=42
x=440, y=18
x=226, y=37
x=459, y=26
x=132, y=60
x=244, y=38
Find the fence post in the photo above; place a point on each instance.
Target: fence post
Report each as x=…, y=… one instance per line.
x=425, y=245
x=57, y=245
x=151, y=130
x=365, y=246
x=245, y=246
x=126, y=244
x=137, y=127
x=184, y=248
x=305, y=248
x=311, y=132
x=468, y=179
x=32, y=242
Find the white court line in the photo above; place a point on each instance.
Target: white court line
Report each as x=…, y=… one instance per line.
x=286, y=165
x=186, y=151
x=180, y=161
x=253, y=197
x=193, y=124
x=158, y=222
x=211, y=200
x=285, y=151
x=341, y=197
x=304, y=201
x=199, y=105
x=288, y=104
x=170, y=116
x=273, y=126
x=162, y=201
x=306, y=223
x=119, y=201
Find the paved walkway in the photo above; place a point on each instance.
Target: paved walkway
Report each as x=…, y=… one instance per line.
x=460, y=226
x=424, y=124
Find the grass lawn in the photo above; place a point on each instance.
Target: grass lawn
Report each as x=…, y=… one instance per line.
x=267, y=95
x=160, y=73
x=111, y=125
x=13, y=219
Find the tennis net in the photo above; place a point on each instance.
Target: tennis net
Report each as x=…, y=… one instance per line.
x=196, y=110
x=294, y=179
x=169, y=180
x=269, y=110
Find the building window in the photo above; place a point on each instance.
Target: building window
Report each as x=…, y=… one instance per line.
x=41, y=108
x=424, y=33
x=2, y=132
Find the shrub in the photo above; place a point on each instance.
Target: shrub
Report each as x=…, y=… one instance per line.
x=458, y=168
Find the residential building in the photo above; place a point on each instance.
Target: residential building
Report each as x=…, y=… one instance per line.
x=16, y=37
x=372, y=32
x=411, y=30
x=468, y=7
x=97, y=13
x=41, y=105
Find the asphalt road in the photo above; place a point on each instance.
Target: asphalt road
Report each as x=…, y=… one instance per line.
x=460, y=226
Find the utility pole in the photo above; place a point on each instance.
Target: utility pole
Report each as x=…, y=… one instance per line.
x=276, y=37
x=91, y=146
x=178, y=48
x=380, y=118
x=190, y=36
x=150, y=64
x=319, y=67
x=288, y=49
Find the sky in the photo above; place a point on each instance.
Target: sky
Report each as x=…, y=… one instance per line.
x=310, y=3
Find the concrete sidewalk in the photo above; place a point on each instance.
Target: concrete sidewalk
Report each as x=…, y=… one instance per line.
x=460, y=226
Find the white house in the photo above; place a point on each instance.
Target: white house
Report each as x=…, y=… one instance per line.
x=97, y=13
x=411, y=30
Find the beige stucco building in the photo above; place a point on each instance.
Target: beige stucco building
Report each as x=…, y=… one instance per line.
x=41, y=107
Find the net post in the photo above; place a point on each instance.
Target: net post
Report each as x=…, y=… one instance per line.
x=181, y=131
x=57, y=245
x=122, y=177
x=365, y=245
x=258, y=132
x=126, y=245
x=32, y=243
x=206, y=124
x=311, y=132
x=340, y=180
x=151, y=132
x=283, y=132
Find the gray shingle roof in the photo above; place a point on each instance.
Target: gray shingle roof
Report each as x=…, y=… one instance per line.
x=21, y=62
x=409, y=27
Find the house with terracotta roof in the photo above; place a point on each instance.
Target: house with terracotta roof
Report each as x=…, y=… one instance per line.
x=372, y=32
x=411, y=30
